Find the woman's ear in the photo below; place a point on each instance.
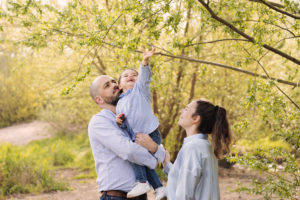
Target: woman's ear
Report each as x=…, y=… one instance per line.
x=196, y=119
x=120, y=87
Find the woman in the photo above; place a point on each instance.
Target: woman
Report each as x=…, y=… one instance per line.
x=194, y=174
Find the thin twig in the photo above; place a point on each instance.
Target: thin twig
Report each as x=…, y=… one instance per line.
x=215, y=41
x=268, y=76
x=252, y=20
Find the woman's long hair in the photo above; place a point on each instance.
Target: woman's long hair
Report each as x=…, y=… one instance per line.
x=214, y=121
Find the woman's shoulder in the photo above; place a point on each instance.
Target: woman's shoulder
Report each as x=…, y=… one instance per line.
x=198, y=146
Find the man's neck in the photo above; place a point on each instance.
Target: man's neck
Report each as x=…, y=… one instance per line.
x=109, y=107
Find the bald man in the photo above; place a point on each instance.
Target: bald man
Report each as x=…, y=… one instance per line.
x=112, y=149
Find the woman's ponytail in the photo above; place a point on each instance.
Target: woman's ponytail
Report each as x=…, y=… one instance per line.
x=214, y=121
x=221, y=136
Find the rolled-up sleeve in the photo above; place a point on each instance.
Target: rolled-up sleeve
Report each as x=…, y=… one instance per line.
x=160, y=153
x=112, y=137
x=167, y=168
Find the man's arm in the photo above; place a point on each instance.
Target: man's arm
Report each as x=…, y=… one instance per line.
x=109, y=135
x=145, y=141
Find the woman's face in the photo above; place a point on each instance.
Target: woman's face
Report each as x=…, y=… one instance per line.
x=186, y=118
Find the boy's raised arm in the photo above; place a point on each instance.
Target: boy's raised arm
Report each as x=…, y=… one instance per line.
x=147, y=55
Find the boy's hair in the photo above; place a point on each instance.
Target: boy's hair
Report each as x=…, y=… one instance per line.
x=119, y=80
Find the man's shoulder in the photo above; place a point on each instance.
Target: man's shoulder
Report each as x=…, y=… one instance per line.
x=103, y=115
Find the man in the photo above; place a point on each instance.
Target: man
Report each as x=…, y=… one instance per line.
x=111, y=147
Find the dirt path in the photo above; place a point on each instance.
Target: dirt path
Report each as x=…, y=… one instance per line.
x=87, y=189
x=22, y=134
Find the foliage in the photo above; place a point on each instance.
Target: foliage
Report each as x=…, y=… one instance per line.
x=19, y=100
x=279, y=173
x=22, y=172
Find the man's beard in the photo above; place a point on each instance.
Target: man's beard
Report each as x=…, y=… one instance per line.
x=113, y=100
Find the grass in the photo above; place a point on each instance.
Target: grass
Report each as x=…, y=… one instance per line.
x=23, y=173
x=30, y=168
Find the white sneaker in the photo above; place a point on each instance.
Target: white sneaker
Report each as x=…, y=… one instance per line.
x=160, y=193
x=139, y=189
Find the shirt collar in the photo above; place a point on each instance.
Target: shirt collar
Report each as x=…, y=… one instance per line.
x=125, y=94
x=196, y=136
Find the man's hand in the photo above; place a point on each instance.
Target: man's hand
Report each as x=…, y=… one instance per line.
x=120, y=118
x=147, y=55
x=145, y=141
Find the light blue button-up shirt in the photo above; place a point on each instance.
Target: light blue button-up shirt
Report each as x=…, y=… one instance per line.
x=113, y=150
x=136, y=104
x=194, y=174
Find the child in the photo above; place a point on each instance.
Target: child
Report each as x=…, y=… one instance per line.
x=135, y=103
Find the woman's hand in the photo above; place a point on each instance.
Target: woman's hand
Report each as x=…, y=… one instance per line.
x=145, y=141
x=147, y=55
x=167, y=158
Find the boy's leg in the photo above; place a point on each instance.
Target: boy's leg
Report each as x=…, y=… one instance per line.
x=153, y=178
x=140, y=172
x=142, y=185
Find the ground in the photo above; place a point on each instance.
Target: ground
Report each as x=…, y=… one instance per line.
x=87, y=189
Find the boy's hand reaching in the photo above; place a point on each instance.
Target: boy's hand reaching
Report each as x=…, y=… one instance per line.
x=120, y=118
x=147, y=55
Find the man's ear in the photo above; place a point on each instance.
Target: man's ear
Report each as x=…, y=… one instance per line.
x=99, y=100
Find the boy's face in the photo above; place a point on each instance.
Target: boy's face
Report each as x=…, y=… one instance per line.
x=128, y=79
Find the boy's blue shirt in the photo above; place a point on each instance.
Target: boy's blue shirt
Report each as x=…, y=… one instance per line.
x=136, y=104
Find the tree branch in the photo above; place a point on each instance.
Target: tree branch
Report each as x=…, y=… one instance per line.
x=214, y=41
x=249, y=38
x=268, y=24
x=272, y=3
x=218, y=65
x=279, y=10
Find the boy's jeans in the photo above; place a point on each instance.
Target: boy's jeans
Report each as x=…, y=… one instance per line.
x=143, y=173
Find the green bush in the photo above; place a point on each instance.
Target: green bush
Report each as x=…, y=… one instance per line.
x=23, y=173
x=19, y=100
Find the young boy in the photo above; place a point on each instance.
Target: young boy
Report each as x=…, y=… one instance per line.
x=135, y=104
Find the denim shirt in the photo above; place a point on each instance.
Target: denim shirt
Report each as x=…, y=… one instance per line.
x=113, y=151
x=194, y=174
x=136, y=104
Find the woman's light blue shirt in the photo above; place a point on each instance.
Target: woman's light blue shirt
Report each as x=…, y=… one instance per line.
x=194, y=174
x=136, y=104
